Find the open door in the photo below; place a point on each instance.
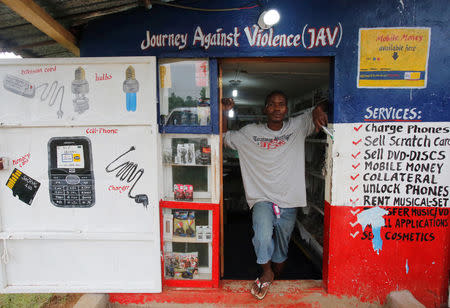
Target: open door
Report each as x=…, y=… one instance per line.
x=80, y=176
x=306, y=83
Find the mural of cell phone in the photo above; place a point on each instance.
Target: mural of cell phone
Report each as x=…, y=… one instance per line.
x=70, y=172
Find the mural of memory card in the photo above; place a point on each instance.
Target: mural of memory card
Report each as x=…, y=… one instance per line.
x=23, y=186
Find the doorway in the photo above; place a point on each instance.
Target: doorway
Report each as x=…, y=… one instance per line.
x=306, y=83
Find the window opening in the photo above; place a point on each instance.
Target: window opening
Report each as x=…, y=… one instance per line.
x=184, y=92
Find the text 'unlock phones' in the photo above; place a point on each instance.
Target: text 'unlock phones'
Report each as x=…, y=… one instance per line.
x=70, y=172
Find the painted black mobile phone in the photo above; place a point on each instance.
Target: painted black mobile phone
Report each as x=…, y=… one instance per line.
x=70, y=172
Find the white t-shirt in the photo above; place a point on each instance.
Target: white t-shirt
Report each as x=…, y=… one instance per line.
x=273, y=162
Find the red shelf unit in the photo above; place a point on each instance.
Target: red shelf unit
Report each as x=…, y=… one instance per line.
x=196, y=283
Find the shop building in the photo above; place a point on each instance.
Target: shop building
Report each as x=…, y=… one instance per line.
x=163, y=201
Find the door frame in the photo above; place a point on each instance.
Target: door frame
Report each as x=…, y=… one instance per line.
x=220, y=63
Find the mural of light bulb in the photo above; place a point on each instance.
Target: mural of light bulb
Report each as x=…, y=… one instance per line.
x=130, y=87
x=80, y=87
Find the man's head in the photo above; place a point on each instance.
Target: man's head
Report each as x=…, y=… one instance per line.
x=276, y=107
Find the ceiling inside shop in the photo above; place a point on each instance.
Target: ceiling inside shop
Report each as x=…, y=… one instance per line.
x=257, y=79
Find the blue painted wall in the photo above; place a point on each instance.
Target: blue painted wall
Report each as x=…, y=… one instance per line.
x=122, y=34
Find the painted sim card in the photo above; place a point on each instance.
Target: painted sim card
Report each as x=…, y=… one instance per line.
x=19, y=86
x=23, y=186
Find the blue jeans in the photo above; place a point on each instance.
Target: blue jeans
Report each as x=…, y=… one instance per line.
x=270, y=245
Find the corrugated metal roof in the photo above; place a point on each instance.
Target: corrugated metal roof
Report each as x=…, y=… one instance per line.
x=19, y=36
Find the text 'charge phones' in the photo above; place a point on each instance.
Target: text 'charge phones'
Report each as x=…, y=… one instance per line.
x=70, y=172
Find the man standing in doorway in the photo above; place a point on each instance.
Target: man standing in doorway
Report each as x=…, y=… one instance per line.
x=272, y=160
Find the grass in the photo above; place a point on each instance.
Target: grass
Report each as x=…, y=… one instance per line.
x=24, y=300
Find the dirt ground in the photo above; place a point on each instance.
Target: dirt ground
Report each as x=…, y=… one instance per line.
x=62, y=300
x=38, y=300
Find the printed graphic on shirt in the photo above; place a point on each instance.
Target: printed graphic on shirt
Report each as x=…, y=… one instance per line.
x=271, y=143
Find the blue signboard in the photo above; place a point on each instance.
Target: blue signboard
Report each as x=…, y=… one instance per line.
x=323, y=28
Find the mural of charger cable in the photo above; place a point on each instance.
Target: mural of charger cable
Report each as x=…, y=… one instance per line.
x=127, y=172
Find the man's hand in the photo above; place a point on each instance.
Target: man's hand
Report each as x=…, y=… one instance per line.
x=227, y=103
x=320, y=118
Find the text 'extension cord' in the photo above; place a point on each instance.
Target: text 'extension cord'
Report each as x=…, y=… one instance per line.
x=128, y=172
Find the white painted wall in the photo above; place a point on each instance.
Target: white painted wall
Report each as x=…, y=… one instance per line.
x=388, y=150
x=112, y=246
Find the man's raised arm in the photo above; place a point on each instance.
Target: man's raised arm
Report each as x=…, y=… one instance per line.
x=320, y=117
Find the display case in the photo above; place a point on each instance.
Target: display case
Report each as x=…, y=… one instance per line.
x=310, y=219
x=186, y=103
x=190, y=167
x=189, y=239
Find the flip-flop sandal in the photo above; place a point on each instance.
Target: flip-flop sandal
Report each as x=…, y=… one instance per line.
x=260, y=285
x=256, y=284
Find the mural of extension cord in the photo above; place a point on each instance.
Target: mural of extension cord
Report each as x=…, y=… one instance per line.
x=80, y=87
x=130, y=87
x=24, y=88
x=54, y=91
x=19, y=86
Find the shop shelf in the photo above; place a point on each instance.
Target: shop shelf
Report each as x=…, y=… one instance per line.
x=182, y=239
x=190, y=261
x=190, y=164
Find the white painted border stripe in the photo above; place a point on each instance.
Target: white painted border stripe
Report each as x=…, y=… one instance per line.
x=132, y=236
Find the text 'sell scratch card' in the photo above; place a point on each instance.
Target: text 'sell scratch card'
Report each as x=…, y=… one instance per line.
x=23, y=186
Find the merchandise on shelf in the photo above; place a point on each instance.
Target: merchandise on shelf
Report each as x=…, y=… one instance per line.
x=205, y=155
x=204, y=233
x=181, y=264
x=185, y=154
x=183, y=192
x=184, y=223
x=168, y=226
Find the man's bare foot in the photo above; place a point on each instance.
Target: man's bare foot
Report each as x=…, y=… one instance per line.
x=278, y=268
x=267, y=276
x=262, y=284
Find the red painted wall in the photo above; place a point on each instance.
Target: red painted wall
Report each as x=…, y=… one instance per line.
x=417, y=262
